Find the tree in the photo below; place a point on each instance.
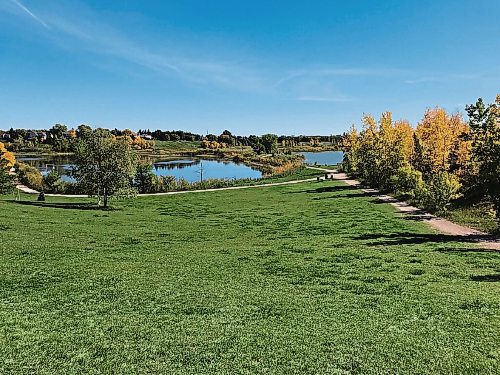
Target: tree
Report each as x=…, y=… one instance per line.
x=6, y=182
x=83, y=130
x=52, y=181
x=145, y=180
x=350, y=146
x=440, y=190
x=270, y=143
x=484, y=122
x=7, y=161
x=369, y=151
x=104, y=164
x=440, y=141
x=58, y=138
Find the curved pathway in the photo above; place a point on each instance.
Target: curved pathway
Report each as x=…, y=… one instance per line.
x=445, y=226
x=27, y=190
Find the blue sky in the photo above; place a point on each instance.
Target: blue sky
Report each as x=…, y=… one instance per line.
x=287, y=67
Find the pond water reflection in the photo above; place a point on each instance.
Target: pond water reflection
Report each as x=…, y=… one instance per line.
x=323, y=157
x=189, y=169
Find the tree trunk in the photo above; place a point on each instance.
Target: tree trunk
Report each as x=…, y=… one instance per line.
x=105, y=195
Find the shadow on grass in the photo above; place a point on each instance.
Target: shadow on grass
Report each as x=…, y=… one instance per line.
x=355, y=194
x=420, y=238
x=331, y=189
x=324, y=189
x=486, y=278
x=64, y=205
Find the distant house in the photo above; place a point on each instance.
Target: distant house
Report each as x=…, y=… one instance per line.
x=5, y=137
x=39, y=135
x=145, y=136
x=31, y=135
x=42, y=136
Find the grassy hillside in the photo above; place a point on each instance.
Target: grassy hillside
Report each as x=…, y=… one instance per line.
x=310, y=278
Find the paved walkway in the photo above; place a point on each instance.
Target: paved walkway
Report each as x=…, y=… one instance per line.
x=31, y=191
x=26, y=189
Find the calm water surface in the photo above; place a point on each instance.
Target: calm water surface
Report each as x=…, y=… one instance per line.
x=190, y=169
x=323, y=157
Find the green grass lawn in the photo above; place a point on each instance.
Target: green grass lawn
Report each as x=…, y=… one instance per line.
x=478, y=215
x=311, y=278
x=175, y=146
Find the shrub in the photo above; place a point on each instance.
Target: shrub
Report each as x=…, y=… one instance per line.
x=441, y=189
x=407, y=181
x=30, y=176
x=145, y=180
x=166, y=183
x=53, y=183
x=6, y=182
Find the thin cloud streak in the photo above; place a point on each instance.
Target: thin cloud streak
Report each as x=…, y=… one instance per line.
x=446, y=78
x=328, y=99
x=96, y=36
x=322, y=72
x=31, y=14
x=307, y=84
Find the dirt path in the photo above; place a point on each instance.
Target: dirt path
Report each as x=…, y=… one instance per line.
x=445, y=226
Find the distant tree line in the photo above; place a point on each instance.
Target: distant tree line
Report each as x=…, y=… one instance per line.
x=268, y=143
x=172, y=135
x=61, y=139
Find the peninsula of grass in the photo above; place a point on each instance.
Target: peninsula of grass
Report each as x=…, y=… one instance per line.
x=313, y=278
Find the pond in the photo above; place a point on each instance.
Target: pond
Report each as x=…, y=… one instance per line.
x=190, y=169
x=323, y=157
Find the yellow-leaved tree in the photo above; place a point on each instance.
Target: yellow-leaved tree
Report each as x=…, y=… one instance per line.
x=435, y=138
x=350, y=146
x=7, y=158
x=7, y=161
x=369, y=159
x=404, y=139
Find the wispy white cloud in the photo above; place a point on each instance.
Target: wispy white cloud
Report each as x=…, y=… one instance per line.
x=328, y=99
x=31, y=14
x=82, y=29
x=442, y=78
x=323, y=72
x=78, y=27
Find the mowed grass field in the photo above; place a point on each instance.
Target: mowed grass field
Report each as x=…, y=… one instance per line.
x=314, y=278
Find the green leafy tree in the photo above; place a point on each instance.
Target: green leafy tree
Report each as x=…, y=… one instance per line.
x=104, y=164
x=270, y=143
x=484, y=122
x=83, y=131
x=6, y=182
x=441, y=189
x=57, y=138
x=53, y=181
x=145, y=180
